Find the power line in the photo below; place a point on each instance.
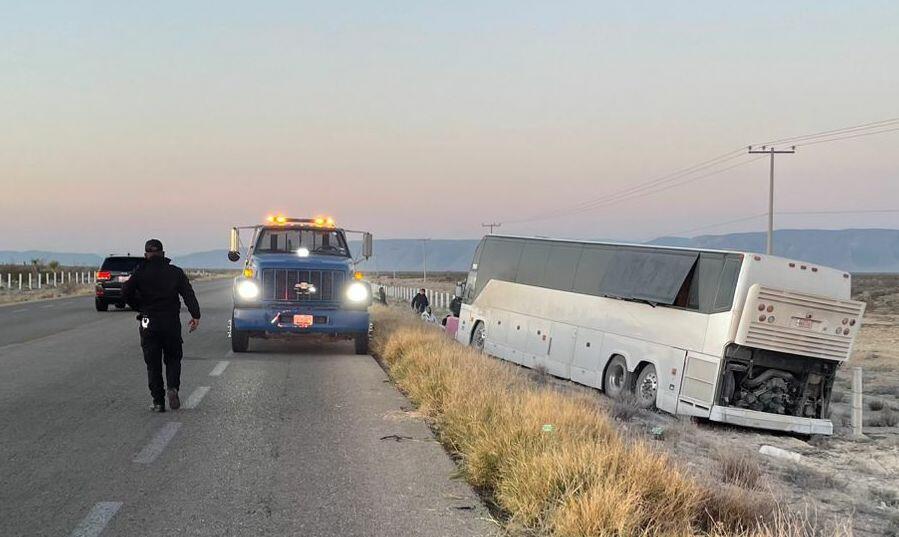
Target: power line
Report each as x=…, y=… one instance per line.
x=642, y=190
x=671, y=180
x=832, y=132
x=859, y=135
x=782, y=213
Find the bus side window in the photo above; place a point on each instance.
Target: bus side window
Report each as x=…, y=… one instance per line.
x=704, y=287
x=724, y=298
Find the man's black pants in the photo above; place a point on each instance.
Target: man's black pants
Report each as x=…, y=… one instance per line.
x=161, y=343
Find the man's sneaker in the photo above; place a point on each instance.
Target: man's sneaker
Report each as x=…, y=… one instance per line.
x=174, y=401
x=157, y=407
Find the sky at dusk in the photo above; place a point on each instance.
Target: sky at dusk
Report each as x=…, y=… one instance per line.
x=124, y=120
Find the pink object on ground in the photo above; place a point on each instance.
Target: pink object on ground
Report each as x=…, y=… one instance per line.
x=452, y=324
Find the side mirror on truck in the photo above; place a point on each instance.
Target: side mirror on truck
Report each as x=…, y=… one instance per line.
x=234, y=246
x=460, y=288
x=367, y=245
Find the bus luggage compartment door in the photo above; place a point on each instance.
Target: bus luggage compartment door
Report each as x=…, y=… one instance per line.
x=700, y=379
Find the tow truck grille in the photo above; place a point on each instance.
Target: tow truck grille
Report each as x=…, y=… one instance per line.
x=280, y=285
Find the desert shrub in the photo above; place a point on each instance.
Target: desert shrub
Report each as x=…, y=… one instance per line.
x=625, y=408
x=875, y=404
x=740, y=468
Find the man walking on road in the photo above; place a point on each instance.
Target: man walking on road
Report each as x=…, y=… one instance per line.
x=420, y=302
x=153, y=290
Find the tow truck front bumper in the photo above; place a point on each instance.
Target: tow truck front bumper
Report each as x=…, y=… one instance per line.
x=764, y=420
x=276, y=321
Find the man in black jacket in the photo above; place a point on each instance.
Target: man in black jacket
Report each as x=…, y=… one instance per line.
x=153, y=290
x=420, y=301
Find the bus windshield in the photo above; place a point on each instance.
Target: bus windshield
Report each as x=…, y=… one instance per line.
x=289, y=240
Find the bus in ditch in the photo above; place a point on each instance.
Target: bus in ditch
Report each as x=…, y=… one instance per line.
x=735, y=337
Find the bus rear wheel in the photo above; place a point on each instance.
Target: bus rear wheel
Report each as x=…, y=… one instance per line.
x=617, y=379
x=477, y=336
x=646, y=387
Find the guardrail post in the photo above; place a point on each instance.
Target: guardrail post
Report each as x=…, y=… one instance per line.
x=39, y=280
x=857, y=397
x=20, y=281
x=30, y=285
x=9, y=280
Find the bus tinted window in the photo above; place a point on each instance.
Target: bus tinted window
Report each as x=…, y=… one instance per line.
x=704, y=286
x=594, y=262
x=651, y=275
x=533, y=263
x=561, y=266
x=499, y=261
x=728, y=283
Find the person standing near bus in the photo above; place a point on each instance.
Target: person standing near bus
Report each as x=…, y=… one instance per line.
x=420, y=301
x=154, y=291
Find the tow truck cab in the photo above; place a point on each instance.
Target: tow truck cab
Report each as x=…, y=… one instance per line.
x=299, y=280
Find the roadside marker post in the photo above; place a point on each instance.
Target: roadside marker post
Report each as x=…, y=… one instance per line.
x=857, y=402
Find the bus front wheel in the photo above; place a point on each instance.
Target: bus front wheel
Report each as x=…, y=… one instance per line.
x=617, y=379
x=646, y=387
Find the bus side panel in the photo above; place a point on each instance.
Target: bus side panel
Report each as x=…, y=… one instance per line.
x=698, y=386
x=561, y=350
x=670, y=372
x=585, y=365
x=538, y=339
x=518, y=339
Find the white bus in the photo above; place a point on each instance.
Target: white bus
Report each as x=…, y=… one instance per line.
x=741, y=338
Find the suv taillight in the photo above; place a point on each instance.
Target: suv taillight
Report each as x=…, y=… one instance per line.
x=103, y=276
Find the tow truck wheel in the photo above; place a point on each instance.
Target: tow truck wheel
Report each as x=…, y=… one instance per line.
x=100, y=305
x=240, y=341
x=361, y=341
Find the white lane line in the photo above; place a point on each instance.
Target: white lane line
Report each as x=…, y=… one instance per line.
x=219, y=368
x=96, y=520
x=20, y=310
x=48, y=306
x=196, y=396
x=157, y=443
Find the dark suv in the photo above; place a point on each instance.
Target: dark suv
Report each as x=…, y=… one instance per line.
x=113, y=273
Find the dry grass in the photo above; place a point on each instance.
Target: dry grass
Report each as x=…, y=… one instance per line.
x=576, y=477
x=738, y=467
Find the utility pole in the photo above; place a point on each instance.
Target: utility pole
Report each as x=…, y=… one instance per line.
x=492, y=225
x=424, y=259
x=771, y=151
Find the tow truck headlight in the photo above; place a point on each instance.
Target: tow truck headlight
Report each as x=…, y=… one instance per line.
x=248, y=289
x=357, y=292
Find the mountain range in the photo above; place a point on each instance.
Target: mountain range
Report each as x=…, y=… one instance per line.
x=854, y=250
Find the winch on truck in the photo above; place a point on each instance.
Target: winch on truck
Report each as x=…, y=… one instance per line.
x=299, y=280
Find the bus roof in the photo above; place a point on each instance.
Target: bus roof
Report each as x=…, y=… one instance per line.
x=661, y=247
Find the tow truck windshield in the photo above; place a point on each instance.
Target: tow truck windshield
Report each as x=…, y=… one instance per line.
x=289, y=240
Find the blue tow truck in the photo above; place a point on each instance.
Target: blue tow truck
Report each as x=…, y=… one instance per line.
x=299, y=280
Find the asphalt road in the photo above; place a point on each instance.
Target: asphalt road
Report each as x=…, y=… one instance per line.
x=286, y=440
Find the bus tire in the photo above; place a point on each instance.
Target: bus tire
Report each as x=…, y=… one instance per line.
x=647, y=387
x=478, y=335
x=616, y=380
x=240, y=341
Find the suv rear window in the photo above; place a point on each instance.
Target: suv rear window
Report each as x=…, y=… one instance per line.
x=121, y=264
